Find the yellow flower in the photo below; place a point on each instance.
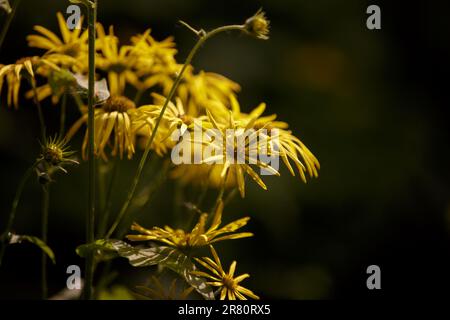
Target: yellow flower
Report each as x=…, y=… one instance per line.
x=72, y=43
x=289, y=147
x=199, y=236
x=175, y=117
x=13, y=73
x=112, y=122
x=227, y=283
x=258, y=25
x=155, y=65
x=118, y=62
x=245, y=146
x=197, y=89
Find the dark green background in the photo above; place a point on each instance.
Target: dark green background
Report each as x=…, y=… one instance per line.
x=371, y=105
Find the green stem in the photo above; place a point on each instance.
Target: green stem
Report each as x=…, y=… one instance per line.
x=40, y=113
x=138, y=96
x=8, y=21
x=44, y=232
x=90, y=216
x=62, y=122
x=203, y=37
x=149, y=194
x=12, y=213
x=230, y=196
x=221, y=193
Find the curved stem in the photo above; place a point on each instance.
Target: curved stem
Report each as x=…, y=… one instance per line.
x=90, y=216
x=169, y=97
x=12, y=213
x=8, y=21
x=44, y=232
x=40, y=113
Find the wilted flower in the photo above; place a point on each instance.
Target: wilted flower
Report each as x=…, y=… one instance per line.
x=258, y=25
x=55, y=154
x=199, y=236
x=112, y=126
x=228, y=285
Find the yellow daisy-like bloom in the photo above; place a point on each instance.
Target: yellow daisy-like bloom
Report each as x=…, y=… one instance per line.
x=175, y=117
x=117, y=61
x=71, y=44
x=197, y=89
x=23, y=68
x=249, y=151
x=155, y=65
x=227, y=283
x=112, y=120
x=199, y=236
x=288, y=146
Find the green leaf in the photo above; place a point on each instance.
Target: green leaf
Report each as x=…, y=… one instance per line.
x=15, y=238
x=167, y=257
x=103, y=250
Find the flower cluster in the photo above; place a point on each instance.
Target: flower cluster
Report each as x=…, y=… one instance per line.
x=147, y=69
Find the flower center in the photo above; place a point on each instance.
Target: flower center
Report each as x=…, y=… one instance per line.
x=119, y=104
x=228, y=282
x=53, y=154
x=71, y=49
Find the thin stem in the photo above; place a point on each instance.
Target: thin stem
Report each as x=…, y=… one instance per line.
x=12, y=213
x=44, y=232
x=8, y=21
x=39, y=109
x=138, y=96
x=149, y=193
x=62, y=122
x=230, y=196
x=221, y=193
x=107, y=210
x=169, y=97
x=90, y=217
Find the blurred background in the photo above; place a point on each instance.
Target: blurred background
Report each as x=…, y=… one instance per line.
x=371, y=105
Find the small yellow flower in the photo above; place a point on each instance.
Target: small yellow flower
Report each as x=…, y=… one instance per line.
x=288, y=146
x=258, y=25
x=199, y=236
x=72, y=43
x=197, y=89
x=112, y=119
x=249, y=151
x=55, y=154
x=116, y=61
x=228, y=285
x=27, y=68
x=155, y=65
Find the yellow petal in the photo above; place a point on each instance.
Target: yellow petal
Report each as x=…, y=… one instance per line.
x=63, y=27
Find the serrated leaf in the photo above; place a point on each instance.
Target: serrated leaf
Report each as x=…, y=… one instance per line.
x=15, y=238
x=167, y=257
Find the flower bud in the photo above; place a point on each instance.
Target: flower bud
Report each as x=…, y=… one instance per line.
x=258, y=25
